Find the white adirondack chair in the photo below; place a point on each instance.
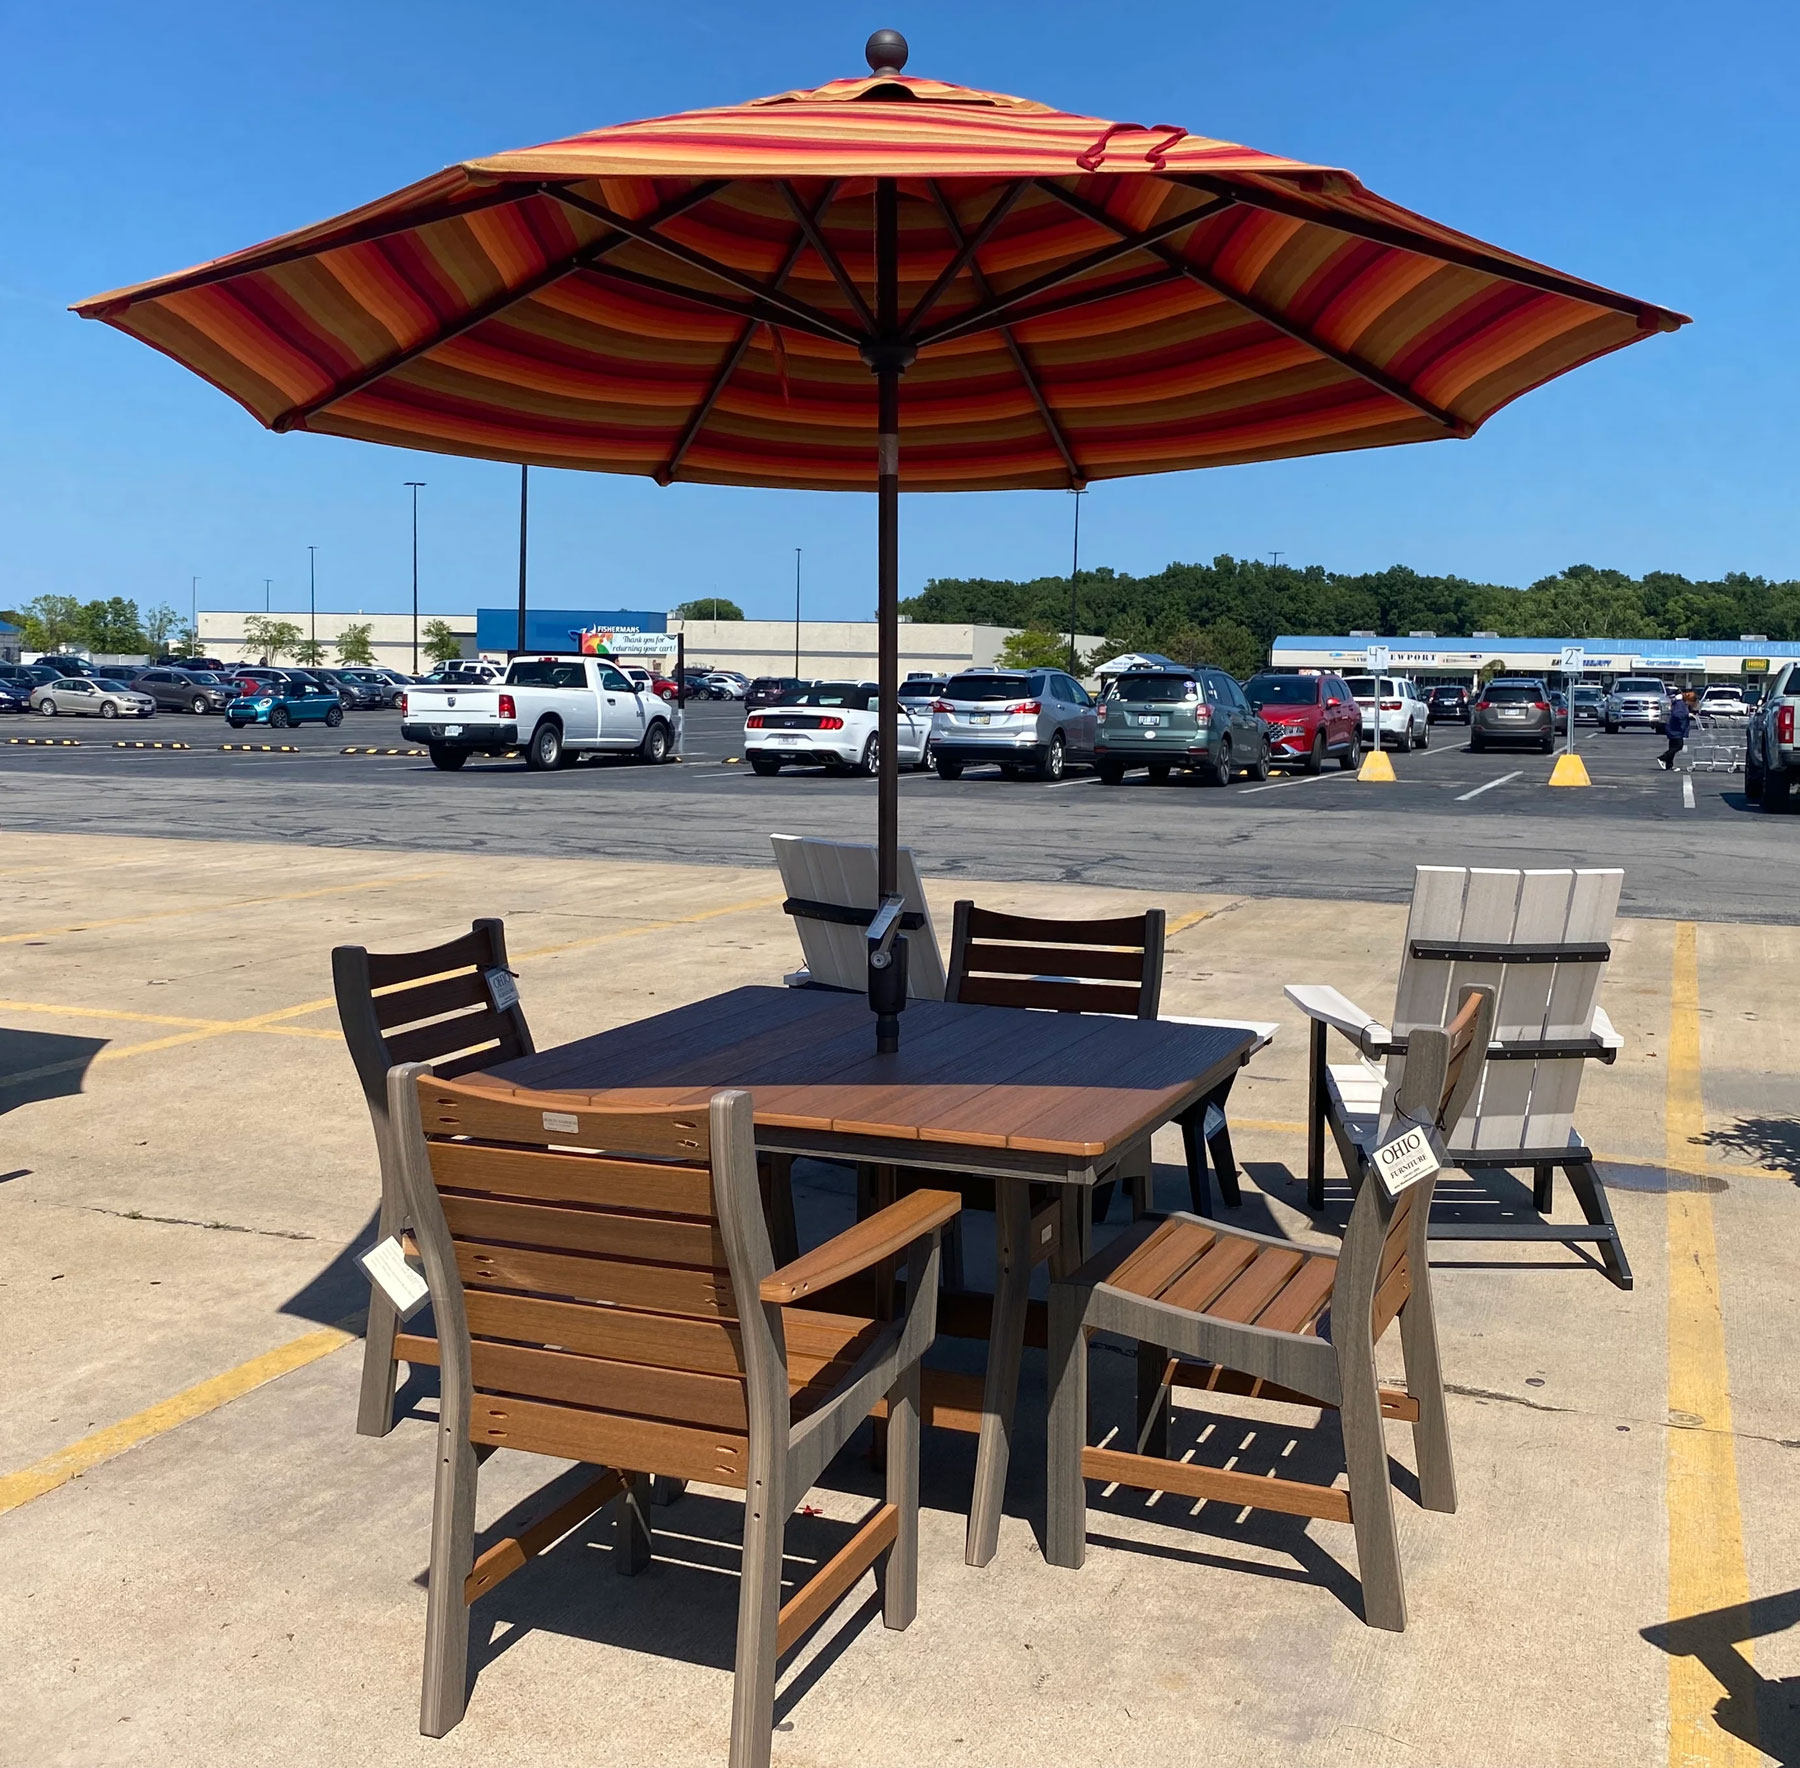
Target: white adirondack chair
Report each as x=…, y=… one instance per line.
x=832, y=896
x=1541, y=939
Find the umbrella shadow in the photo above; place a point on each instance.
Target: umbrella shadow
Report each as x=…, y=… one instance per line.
x=1762, y=1711
x=40, y=1065
x=1772, y=1142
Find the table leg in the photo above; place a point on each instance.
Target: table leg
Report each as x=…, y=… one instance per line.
x=1194, y=1146
x=1012, y=1287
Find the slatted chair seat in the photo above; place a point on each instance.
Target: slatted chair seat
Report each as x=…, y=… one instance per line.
x=606, y=1292
x=1540, y=938
x=1217, y=1308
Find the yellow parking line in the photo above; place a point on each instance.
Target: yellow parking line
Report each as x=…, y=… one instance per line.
x=1706, y=1531
x=215, y=908
x=194, y=1402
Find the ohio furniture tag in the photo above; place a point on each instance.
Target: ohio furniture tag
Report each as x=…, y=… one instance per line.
x=502, y=990
x=1405, y=1159
x=385, y=1264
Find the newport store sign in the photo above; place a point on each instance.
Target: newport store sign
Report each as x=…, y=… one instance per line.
x=1751, y=655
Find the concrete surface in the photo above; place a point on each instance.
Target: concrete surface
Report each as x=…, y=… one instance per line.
x=185, y=1169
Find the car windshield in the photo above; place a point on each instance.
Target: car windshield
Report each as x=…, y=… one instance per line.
x=851, y=695
x=920, y=690
x=1140, y=689
x=1447, y=693
x=1633, y=684
x=1512, y=693
x=982, y=688
x=205, y=676
x=1282, y=690
x=1586, y=691
x=1362, y=687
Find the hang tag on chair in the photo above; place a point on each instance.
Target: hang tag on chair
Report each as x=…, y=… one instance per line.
x=502, y=990
x=1406, y=1158
x=384, y=1264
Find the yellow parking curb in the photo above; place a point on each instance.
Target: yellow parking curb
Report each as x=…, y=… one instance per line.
x=1376, y=766
x=47, y=742
x=1570, y=770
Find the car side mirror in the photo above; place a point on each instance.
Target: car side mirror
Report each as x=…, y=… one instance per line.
x=1333, y=702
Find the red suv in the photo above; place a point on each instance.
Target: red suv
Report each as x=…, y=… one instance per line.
x=1308, y=718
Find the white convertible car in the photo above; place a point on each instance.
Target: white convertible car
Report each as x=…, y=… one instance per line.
x=832, y=724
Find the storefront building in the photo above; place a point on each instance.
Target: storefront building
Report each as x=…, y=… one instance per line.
x=1428, y=659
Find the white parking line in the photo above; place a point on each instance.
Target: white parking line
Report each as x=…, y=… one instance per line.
x=1084, y=780
x=1464, y=797
x=1300, y=780
x=1687, y=790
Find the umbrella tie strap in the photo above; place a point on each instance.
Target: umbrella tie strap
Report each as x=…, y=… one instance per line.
x=1173, y=132
x=1159, y=152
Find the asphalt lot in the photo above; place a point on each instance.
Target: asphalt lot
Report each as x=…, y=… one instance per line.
x=1689, y=842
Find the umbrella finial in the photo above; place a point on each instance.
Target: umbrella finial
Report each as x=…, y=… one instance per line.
x=885, y=52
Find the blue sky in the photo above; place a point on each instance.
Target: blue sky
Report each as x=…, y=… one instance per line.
x=1646, y=145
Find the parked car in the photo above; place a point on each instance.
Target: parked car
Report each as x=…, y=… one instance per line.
x=292, y=700
x=1447, y=704
x=185, y=690
x=1308, y=717
x=1405, y=722
x=553, y=707
x=647, y=681
x=700, y=684
x=834, y=724
x=775, y=690
x=15, y=695
x=1195, y=719
x=1559, y=712
x=90, y=696
x=1724, y=702
x=1589, y=700
x=211, y=664
x=67, y=668
x=355, y=694
x=1636, y=699
x=383, y=685
x=1771, y=753
x=730, y=684
x=1036, y=721
x=1512, y=709
x=923, y=688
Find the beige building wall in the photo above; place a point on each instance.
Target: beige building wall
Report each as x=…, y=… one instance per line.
x=390, y=635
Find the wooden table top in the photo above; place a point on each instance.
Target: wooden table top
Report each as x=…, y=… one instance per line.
x=1071, y=1085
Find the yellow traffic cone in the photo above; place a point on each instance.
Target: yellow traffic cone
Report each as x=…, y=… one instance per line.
x=1570, y=770
x=1376, y=766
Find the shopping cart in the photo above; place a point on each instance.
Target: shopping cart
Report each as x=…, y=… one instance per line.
x=1715, y=744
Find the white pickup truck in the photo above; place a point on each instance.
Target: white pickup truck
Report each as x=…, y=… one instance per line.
x=553, y=708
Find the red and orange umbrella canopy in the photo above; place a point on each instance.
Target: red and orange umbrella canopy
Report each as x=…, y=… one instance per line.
x=692, y=297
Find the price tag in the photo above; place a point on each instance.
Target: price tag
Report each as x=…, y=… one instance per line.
x=502, y=990
x=385, y=1266
x=1403, y=1160
x=1212, y=1122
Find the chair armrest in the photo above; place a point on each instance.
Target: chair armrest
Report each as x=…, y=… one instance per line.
x=886, y=1234
x=1610, y=1040
x=1329, y=1007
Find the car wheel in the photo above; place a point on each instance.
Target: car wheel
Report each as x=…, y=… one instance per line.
x=1753, y=777
x=197, y=705
x=946, y=768
x=1260, y=771
x=1547, y=745
x=1351, y=757
x=1476, y=745
x=1218, y=772
x=108, y=709
x=926, y=759
x=279, y=718
x=447, y=760
x=545, y=750
x=1425, y=736
x=655, y=746
x=1112, y=773
x=47, y=706
x=1775, y=790
x=870, y=765
x=1612, y=730
x=766, y=765
x=334, y=716
x=1159, y=773
x=1055, y=760
x=1315, y=760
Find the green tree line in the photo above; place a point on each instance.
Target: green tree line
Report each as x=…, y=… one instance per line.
x=113, y=627
x=1228, y=612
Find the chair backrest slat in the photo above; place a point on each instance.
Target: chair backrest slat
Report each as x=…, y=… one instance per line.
x=843, y=874
x=1099, y=966
x=412, y=1002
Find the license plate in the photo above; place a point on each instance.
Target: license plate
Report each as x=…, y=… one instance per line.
x=784, y=739
x=453, y=730
x=1149, y=718
x=980, y=718
x=1506, y=714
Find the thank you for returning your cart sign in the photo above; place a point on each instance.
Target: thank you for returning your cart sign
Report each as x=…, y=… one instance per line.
x=1404, y=1159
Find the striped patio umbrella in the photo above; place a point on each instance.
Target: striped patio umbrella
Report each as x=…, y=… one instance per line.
x=736, y=296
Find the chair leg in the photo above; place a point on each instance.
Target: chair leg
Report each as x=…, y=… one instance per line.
x=759, y=1612
x=1316, y=1081
x=631, y=1541
x=1218, y=1145
x=953, y=1253
x=1425, y=1383
x=1065, y=1525
x=375, y=1401
x=900, y=1577
x=1137, y=1176
x=1372, y=1501
x=1153, y=1400
x=1006, y=1338
x=778, y=1205
x=1543, y=1179
x=664, y=1489
x=1194, y=1146
x=446, y=1689
x=1590, y=1193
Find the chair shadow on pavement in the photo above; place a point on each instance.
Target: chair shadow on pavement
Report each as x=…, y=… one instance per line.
x=1763, y=1711
x=39, y=1065
x=340, y=1290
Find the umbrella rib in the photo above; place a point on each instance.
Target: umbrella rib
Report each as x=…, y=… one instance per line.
x=1648, y=316
x=810, y=235
x=1020, y=360
x=987, y=316
x=767, y=312
x=735, y=354
x=799, y=312
x=297, y=416
x=967, y=246
x=1271, y=316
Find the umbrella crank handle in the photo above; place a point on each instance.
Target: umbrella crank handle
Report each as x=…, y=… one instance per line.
x=887, y=974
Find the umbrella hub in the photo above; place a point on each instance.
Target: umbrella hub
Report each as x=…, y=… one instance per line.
x=891, y=356
x=885, y=52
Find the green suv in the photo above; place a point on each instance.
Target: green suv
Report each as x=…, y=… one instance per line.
x=1162, y=719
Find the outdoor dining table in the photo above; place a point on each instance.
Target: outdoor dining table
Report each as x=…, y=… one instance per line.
x=1019, y=1097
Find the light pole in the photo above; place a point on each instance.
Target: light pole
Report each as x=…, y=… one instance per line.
x=524, y=508
x=1078, y=492
x=312, y=591
x=266, y=582
x=194, y=611
x=1274, y=561
x=796, y=613
x=416, y=485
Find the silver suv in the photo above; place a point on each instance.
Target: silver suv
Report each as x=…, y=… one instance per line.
x=1636, y=699
x=1034, y=721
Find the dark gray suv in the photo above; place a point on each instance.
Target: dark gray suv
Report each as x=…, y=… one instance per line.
x=1512, y=710
x=185, y=690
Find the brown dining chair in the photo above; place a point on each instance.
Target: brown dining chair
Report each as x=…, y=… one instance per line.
x=1221, y=1309
x=606, y=1292
x=438, y=1006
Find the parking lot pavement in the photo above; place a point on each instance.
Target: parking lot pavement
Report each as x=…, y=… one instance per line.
x=202, y=1563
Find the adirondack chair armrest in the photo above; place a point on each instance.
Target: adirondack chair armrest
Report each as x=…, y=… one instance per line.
x=885, y=1235
x=1609, y=1040
x=1328, y=1007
